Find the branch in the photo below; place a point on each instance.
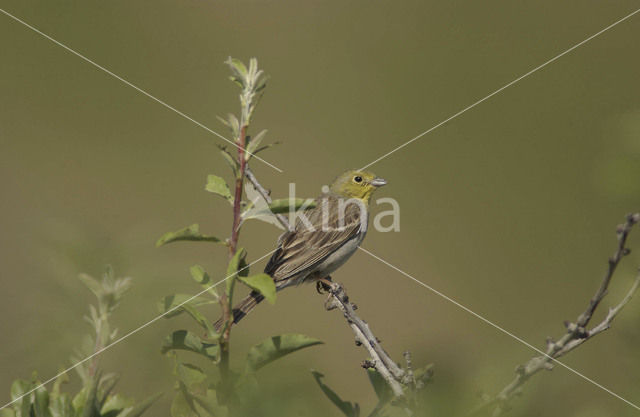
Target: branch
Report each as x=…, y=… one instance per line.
x=577, y=332
x=266, y=194
x=381, y=362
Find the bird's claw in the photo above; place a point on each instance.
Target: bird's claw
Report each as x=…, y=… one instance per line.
x=323, y=285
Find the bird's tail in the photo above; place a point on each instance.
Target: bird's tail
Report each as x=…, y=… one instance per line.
x=242, y=308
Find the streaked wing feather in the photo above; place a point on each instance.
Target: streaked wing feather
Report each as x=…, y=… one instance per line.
x=303, y=249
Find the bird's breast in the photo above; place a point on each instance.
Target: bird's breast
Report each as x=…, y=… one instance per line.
x=340, y=256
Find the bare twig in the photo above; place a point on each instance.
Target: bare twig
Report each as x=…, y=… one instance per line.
x=266, y=194
x=380, y=360
x=577, y=332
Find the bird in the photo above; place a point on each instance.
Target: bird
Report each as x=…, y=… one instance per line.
x=323, y=238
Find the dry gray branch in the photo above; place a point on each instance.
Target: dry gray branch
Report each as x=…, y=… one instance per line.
x=380, y=360
x=576, y=333
x=266, y=194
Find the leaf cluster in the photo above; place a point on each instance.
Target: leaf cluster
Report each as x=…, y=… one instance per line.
x=222, y=391
x=387, y=404
x=96, y=398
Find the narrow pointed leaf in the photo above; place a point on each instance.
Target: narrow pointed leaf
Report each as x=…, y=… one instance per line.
x=379, y=385
x=170, y=302
x=19, y=388
x=185, y=340
x=140, y=408
x=232, y=270
x=89, y=406
x=114, y=404
x=61, y=406
x=347, y=408
x=264, y=147
x=237, y=66
x=181, y=406
x=41, y=403
x=91, y=283
x=219, y=186
x=278, y=207
x=254, y=142
x=191, y=233
x=286, y=204
x=200, y=276
x=276, y=347
x=175, y=304
x=192, y=376
x=262, y=283
x=229, y=160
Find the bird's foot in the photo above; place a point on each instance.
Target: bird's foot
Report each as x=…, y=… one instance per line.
x=324, y=285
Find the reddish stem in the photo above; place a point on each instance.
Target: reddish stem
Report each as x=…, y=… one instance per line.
x=238, y=193
x=225, y=303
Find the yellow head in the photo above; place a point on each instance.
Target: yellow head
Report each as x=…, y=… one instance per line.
x=356, y=184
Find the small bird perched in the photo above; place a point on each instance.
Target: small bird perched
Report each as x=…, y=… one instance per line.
x=323, y=238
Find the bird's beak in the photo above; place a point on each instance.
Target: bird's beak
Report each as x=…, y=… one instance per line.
x=378, y=182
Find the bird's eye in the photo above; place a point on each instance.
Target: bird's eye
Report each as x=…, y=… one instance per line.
x=357, y=178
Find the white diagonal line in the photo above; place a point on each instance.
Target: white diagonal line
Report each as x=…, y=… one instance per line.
x=500, y=89
x=508, y=333
x=135, y=87
x=132, y=332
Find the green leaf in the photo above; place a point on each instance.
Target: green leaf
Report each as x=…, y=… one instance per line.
x=22, y=403
x=247, y=388
x=286, y=204
x=61, y=406
x=209, y=402
x=237, y=67
x=170, y=303
x=192, y=377
x=424, y=374
x=177, y=303
x=261, y=84
x=267, y=146
x=253, y=144
x=347, y=408
x=262, y=283
x=41, y=403
x=185, y=340
x=232, y=123
x=114, y=404
x=137, y=410
x=90, y=399
x=191, y=233
x=7, y=412
x=379, y=385
x=278, y=207
x=79, y=400
x=230, y=161
x=200, y=276
x=232, y=270
x=276, y=347
x=91, y=283
x=219, y=186
x=61, y=379
x=181, y=407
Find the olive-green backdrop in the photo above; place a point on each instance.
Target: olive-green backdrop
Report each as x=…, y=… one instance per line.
x=510, y=208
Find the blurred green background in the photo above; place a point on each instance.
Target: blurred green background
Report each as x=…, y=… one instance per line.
x=510, y=208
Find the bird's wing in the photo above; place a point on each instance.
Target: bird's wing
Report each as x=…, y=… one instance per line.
x=304, y=248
